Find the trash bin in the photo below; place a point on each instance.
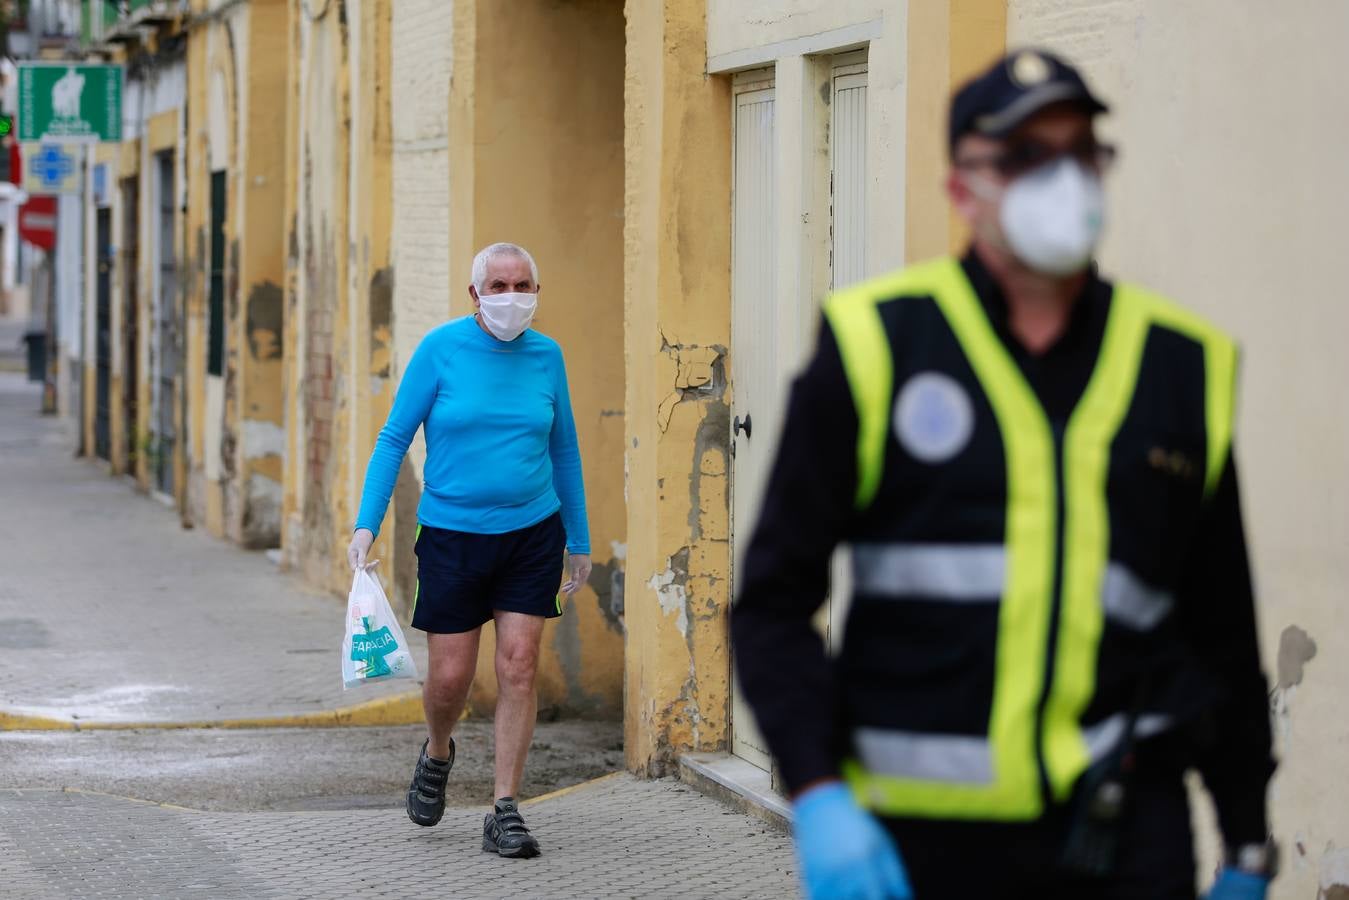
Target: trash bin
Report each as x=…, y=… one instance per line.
x=37, y=355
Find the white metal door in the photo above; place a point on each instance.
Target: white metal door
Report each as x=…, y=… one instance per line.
x=848, y=255
x=754, y=328
x=848, y=159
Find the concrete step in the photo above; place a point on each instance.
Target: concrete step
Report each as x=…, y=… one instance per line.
x=740, y=784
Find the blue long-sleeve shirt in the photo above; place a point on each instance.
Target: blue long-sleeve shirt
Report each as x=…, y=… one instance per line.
x=501, y=450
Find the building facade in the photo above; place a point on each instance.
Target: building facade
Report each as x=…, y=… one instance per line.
x=304, y=183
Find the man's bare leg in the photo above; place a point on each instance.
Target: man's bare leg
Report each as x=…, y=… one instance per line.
x=452, y=659
x=517, y=660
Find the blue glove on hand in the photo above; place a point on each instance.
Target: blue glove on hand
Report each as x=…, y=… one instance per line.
x=845, y=853
x=1233, y=884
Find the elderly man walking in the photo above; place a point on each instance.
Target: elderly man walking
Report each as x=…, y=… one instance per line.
x=503, y=497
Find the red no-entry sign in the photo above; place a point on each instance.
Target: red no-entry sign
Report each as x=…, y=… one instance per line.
x=37, y=222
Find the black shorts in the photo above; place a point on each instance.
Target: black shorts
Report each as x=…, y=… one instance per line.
x=462, y=577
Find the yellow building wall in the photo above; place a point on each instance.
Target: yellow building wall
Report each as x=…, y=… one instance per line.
x=124, y=165
x=144, y=304
x=339, y=285
x=228, y=471
x=256, y=318
x=1229, y=196
x=293, y=460
x=676, y=330
x=237, y=70
x=372, y=228
x=367, y=345
x=677, y=290
x=216, y=58
x=948, y=42
x=162, y=133
x=544, y=169
x=344, y=299
x=319, y=522
x=417, y=278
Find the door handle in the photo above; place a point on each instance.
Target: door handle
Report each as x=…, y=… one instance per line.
x=738, y=426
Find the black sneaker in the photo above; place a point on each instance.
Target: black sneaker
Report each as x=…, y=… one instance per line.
x=504, y=832
x=426, y=795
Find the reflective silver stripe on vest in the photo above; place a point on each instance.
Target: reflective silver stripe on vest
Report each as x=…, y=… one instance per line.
x=1131, y=602
x=930, y=757
x=953, y=572
x=962, y=573
x=1105, y=736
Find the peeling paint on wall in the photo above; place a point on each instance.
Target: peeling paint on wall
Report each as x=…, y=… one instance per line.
x=708, y=482
x=265, y=321
x=381, y=331
x=262, y=512
x=381, y=322
x=263, y=439
x=1296, y=649
x=1334, y=874
x=606, y=580
x=231, y=272
x=677, y=291
x=699, y=373
x=670, y=587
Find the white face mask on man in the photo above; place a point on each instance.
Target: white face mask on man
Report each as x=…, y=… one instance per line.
x=507, y=315
x=1053, y=216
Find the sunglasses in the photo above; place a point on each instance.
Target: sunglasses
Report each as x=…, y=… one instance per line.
x=1021, y=157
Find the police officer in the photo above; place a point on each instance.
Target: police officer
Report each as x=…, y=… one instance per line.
x=1052, y=615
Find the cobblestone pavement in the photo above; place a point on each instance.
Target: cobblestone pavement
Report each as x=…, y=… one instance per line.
x=252, y=769
x=618, y=837
x=110, y=611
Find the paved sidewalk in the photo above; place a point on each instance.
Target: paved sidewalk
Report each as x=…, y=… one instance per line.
x=13, y=351
x=110, y=612
x=294, y=769
x=618, y=837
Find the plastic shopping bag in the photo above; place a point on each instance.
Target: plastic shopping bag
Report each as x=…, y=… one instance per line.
x=374, y=648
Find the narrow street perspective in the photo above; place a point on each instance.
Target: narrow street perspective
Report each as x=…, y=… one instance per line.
x=699, y=449
x=173, y=724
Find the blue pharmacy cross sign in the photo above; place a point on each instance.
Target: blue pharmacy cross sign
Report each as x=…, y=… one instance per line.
x=52, y=164
x=371, y=648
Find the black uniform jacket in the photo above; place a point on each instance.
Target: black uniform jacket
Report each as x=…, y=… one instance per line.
x=806, y=703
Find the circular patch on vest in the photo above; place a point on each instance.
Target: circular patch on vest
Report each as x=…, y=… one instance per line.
x=934, y=418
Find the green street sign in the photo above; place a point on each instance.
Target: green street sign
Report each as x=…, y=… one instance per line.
x=63, y=103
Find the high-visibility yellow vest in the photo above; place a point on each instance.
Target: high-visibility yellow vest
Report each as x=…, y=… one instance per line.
x=986, y=531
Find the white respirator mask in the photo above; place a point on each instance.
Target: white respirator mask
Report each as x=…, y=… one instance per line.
x=1052, y=217
x=507, y=315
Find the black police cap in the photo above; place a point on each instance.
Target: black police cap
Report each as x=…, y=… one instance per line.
x=1012, y=90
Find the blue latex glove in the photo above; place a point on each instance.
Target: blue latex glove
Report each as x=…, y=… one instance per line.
x=845, y=854
x=1233, y=884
